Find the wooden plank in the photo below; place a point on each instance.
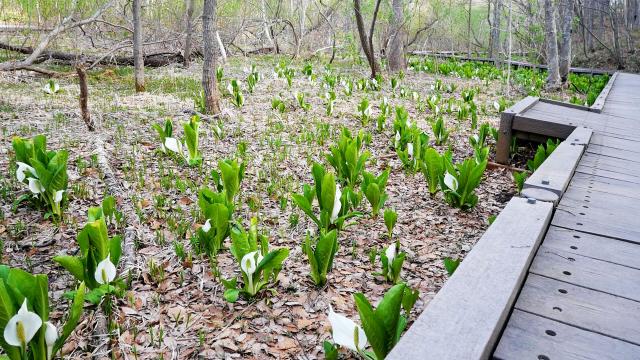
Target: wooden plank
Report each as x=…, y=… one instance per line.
x=556, y=171
x=465, y=318
x=614, y=142
x=611, y=164
x=606, y=214
x=529, y=336
x=566, y=104
x=587, y=272
x=607, y=174
x=587, y=309
x=604, y=93
x=550, y=128
x=593, y=246
x=606, y=185
x=624, y=154
x=506, y=119
x=580, y=136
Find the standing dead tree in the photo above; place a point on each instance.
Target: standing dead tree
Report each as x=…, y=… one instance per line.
x=396, y=57
x=553, y=78
x=212, y=97
x=367, y=41
x=138, y=60
x=188, y=30
x=566, y=21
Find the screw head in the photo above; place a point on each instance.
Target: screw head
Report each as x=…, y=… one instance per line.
x=545, y=182
x=531, y=200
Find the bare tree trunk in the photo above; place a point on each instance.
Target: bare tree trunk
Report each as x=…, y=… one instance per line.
x=138, y=60
x=189, y=31
x=267, y=31
x=469, y=31
x=566, y=20
x=396, y=44
x=494, y=40
x=84, y=97
x=212, y=97
x=366, y=41
x=613, y=16
x=223, y=52
x=589, y=22
x=553, y=78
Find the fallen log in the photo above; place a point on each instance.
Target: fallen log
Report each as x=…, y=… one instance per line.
x=150, y=60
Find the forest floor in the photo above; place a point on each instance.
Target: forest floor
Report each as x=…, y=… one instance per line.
x=174, y=308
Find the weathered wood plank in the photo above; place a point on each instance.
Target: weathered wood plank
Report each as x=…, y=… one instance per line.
x=608, y=163
x=465, y=318
x=587, y=272
x=604, y=93
x=624, y=154
x=580, y=136
x=614, y=142
x=606, y=185
x=591, y=310
x=593, y=246
x=528, y=336
x=607, y=174
x=506, y=120
x=556, y=171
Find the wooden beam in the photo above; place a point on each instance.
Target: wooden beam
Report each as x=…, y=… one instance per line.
x=466, y=317
x=598, y=105
x=506, y=125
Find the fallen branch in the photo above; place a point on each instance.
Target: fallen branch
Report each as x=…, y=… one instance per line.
x=493, y=165
x=150, y=60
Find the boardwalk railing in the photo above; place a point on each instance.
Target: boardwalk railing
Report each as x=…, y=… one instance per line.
x=466, y=317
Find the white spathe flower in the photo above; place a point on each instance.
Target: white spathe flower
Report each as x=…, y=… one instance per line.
x=476, y=138
x=249, y=263
x=391, y=252
x=22, y=169
x=22, y=327
x=337, y=205
x=58, y=196
x=51, y=88
x=105, y=271
x=50, y=337
x=496, y=106
x=367, y=111
x=35, y=186
x=207, y=226
x=343, y=330
x=410, y=149
x=230, y=88
x=397, y=137
x=450, y=181
x=173, y=144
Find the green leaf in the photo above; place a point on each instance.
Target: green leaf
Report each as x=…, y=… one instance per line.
x=74, y=314
x=372, y=326
x=72, y=264
x=451, y=265
x=231, y=295
x=330, y=351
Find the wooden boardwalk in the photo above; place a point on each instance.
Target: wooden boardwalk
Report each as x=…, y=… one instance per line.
x=557, y=275
x=581, y=298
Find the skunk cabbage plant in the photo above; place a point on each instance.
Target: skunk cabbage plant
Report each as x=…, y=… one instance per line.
x=321, y=255
x=43, y=172
x=259, y=266
x=373, y=188
x=347, y=157
x=27, y=333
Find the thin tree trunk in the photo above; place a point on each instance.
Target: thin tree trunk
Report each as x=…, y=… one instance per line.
x=138, y=60
x=469, y=31
x=189, y=31
x=366, y=41
x=509, y=41
x=613, y=16
x=223, y=52
x=553, y=78
x=495, y=31
x=265, y=24
x=566, y=19
x=212, y=97
x=84, y=97
x=396, y=44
